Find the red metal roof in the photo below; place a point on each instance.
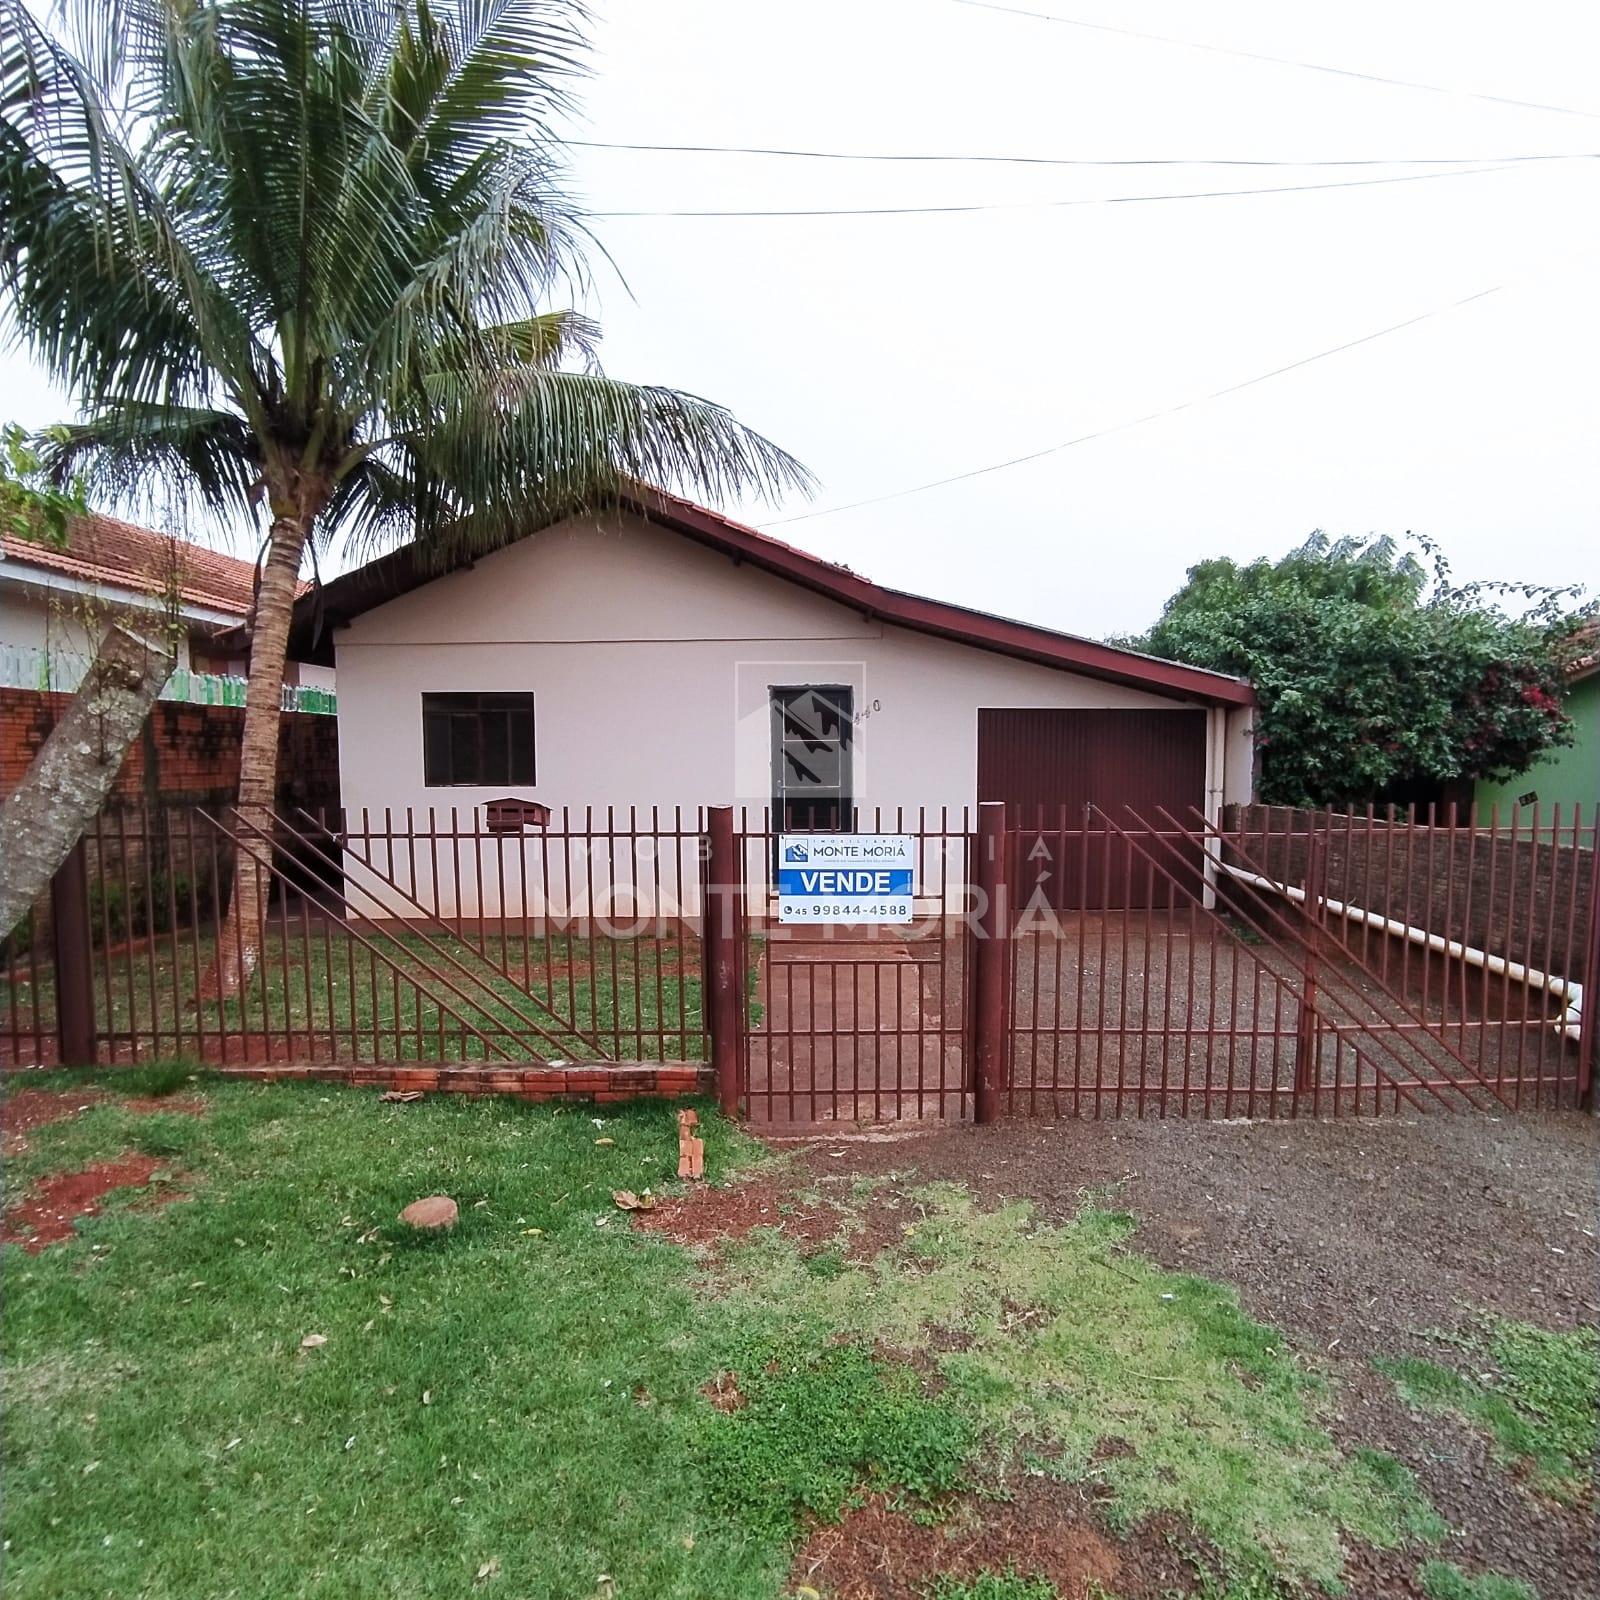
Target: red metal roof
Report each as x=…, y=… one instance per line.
x=106, y=551
x=988, y=632
x=396, y=574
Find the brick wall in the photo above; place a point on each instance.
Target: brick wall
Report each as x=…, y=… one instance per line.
x=186, y=754
x=596, y=1081
x=1526, y=899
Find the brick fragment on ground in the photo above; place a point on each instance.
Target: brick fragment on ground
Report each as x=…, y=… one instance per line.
x=691, y=1148
x=431, y=1213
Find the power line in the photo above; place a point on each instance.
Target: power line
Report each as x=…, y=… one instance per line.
x=1036, y=205
x=1152, y=416
x=1069, y=161
x=1277, y=61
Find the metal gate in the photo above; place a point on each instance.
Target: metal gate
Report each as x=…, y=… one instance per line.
x=1289, y=963
x=860, y=1023
x=1226, y=977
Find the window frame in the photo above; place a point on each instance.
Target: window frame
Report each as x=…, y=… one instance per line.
x=451, y=704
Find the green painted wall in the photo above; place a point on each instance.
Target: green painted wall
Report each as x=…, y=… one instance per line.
x=1570, y=776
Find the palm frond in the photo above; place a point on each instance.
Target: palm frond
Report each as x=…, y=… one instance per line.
x=484, y=467
x=103, y=282
x=316, y=242
x=129, y=452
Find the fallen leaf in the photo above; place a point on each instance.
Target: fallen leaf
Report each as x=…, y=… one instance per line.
x=627, y=1200
x=313, y=1341
x=402, y=1097
x=490, y=1569
x=605, y=1141
x=427, y=1397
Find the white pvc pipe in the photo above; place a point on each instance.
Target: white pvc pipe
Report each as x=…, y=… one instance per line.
x=1569, y=1023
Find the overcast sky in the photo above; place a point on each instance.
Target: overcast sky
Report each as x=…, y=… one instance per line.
x=888, y=351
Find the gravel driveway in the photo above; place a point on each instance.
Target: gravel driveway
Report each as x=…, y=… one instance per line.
x=1361, y=1238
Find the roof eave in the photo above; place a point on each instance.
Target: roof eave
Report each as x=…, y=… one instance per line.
x=1021, y=640
x=398, y=573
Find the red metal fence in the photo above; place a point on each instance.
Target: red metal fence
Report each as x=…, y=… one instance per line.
x=388, y=938
x=1083, y=963
x=1299, y=962
x=858, y=1023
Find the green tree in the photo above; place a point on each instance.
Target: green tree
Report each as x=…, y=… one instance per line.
x=1373, y=669
x=68, y=781
x=301, y=254
x=32, y=504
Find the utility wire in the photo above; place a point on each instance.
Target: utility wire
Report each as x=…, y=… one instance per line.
x=1070, y=161
x=1277, y=61
x=1151, y=416
x=1036, y=205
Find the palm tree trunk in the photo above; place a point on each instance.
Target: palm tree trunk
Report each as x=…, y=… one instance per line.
x=241, y=938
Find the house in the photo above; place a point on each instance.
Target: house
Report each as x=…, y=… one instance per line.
x=55, y=605
x=1568, y=777
x=663, y=656
x=56, y=602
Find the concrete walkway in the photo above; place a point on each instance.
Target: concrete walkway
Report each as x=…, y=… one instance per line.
x=855, y=1031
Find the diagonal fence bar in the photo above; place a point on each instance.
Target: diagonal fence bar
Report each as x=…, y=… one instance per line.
x=378, y=955
x=343, y=903
x=1402, y=1089
x=1419, y=1024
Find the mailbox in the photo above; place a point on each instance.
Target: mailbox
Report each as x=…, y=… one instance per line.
x=512, y=816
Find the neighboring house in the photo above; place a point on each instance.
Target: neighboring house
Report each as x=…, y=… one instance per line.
x=55, y=606
x=56, y=602
x=1568, y=777
x=664, y=656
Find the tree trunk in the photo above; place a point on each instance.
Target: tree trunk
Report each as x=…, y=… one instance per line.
x=240, y=947
x=67, y=784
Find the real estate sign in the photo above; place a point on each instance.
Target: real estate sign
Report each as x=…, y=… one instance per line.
x=846, y=877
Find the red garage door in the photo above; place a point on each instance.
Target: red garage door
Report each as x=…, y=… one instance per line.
x=1050, y=766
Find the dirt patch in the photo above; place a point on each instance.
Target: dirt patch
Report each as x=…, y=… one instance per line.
x=724, y=1393
x=1045, y=1530
x=707, y=1217
x=23, y=1110
x=152, y=1105
x=1360, y=1238
x=47, y=1213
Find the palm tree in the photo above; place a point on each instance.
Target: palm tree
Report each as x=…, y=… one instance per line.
x=303, y=253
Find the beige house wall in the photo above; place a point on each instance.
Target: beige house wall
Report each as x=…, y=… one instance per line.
x=651, y=659
x=67, y=623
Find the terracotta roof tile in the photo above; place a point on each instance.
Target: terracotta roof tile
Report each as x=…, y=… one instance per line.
x=105, y=550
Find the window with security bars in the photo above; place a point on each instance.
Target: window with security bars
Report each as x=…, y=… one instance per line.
x=473, y=740
x=811, y=757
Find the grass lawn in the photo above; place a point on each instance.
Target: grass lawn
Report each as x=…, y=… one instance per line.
x=267, y=1387
x=321, y=992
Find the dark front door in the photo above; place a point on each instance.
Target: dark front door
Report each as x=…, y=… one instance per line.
x=811, y=728
x=1061, y=773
